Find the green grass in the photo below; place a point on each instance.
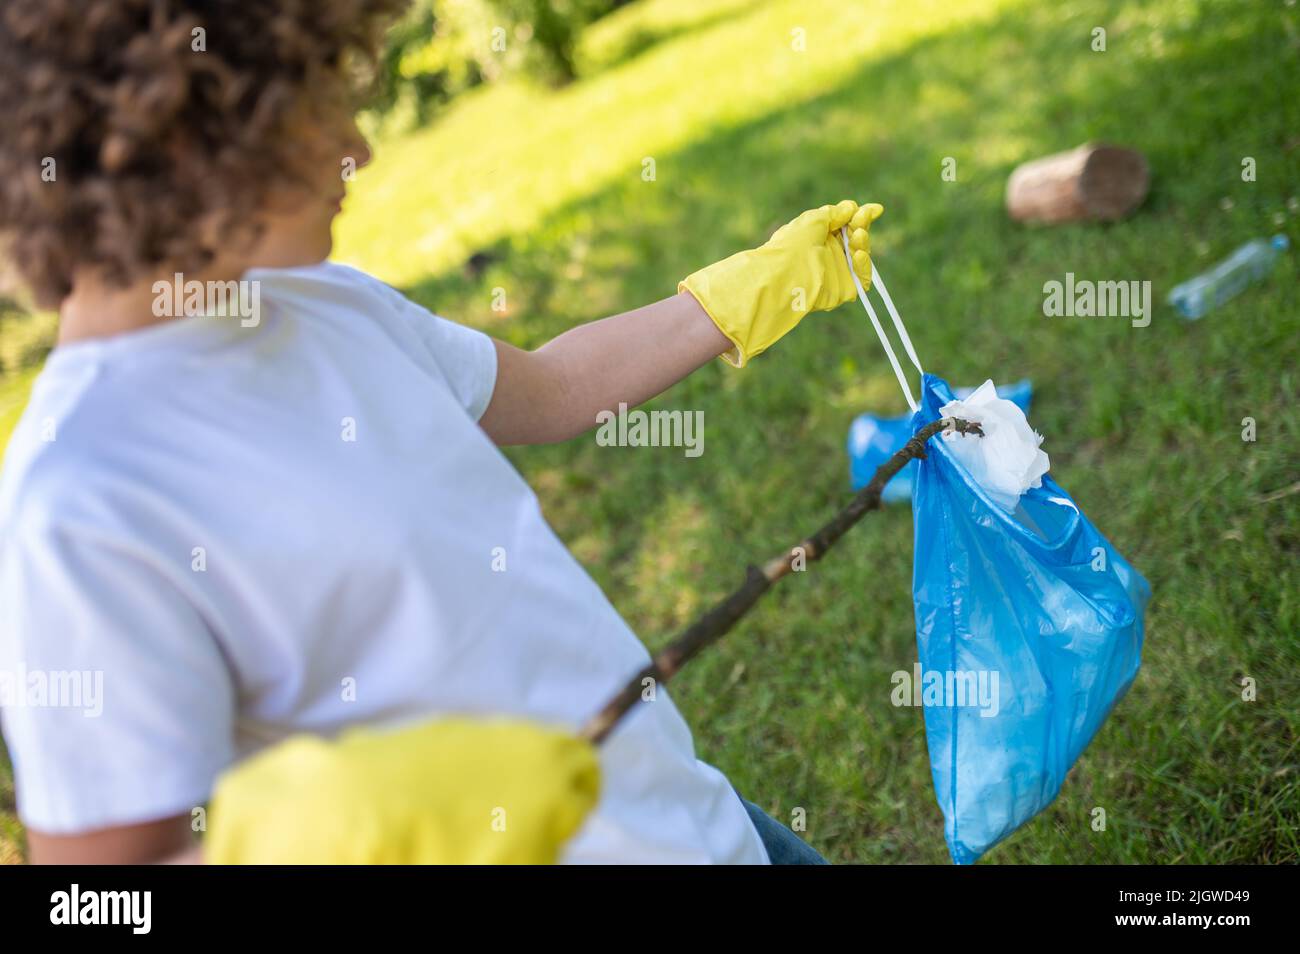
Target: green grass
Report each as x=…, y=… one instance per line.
x=14, y=389
x=25, y=339
x=1143, y=425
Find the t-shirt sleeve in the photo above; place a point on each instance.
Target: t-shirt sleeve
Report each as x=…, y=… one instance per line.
x=466, y=356
x=116, y=702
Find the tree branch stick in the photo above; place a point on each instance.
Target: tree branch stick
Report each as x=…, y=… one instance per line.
x=715, y=623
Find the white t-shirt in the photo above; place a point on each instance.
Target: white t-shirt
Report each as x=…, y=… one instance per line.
x=245, y=532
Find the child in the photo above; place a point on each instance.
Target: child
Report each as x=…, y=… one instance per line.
x=295, y=518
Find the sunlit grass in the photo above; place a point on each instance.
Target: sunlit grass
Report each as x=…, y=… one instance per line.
x=508, y=156
x=14, y=389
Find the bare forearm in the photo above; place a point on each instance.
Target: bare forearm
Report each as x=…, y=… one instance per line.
x=555, y=392
x=168, y=840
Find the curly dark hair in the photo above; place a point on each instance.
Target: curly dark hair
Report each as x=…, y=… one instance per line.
x=156, y=145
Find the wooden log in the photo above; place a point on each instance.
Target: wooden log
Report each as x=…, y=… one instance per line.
x=1094, y=182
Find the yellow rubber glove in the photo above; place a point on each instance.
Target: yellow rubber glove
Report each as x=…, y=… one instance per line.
x=456, y=791
x=757, y=296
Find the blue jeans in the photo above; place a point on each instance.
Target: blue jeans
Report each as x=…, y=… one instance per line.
x=783, y=846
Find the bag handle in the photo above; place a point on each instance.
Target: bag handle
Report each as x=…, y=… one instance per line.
x=879, y=285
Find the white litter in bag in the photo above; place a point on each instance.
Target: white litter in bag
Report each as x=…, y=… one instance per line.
x=1006, y=461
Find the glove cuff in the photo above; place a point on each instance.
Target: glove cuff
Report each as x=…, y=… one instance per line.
x=736, y=356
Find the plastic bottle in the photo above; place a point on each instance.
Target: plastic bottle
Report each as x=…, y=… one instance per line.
x=1248, y=264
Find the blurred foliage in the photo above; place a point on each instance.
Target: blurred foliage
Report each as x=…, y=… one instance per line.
x=443, y=47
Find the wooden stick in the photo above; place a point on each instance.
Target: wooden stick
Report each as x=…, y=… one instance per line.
x=715, y=623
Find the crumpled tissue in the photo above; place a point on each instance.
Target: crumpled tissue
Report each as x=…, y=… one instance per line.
x=1007, y=460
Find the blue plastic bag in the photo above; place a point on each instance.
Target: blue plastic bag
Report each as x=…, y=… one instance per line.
x=1036, y=616
x=874, y=439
